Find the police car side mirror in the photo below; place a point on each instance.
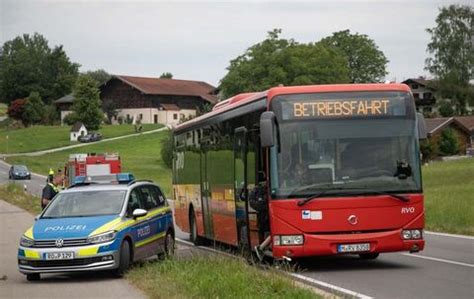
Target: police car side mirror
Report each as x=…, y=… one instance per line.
x=37, y=217
x=139, y=213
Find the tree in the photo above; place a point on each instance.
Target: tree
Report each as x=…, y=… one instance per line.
x=448, y=144
x=110, y=110
x=16, y=109
x=166, y=75
x=87, y=105
x=277, y=61
x=451, y=52
x=167, y=149
x=446, y=109
x=34, y=110
x=28, y=64
x=100, y=75
x=367, y=64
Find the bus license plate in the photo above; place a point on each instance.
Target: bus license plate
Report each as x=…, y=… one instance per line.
x=59, y=255
x=353, y=247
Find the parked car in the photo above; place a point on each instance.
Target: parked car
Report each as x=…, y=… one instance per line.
x=95, y=226
x=19, y=172
x=91, y=137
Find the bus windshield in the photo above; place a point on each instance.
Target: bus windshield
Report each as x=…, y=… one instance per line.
x=370, y=150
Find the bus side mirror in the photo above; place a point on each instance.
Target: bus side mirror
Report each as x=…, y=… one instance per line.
x=420, y=120
x=267, y=129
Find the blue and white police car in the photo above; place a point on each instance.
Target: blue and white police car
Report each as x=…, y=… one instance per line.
x=98, y=227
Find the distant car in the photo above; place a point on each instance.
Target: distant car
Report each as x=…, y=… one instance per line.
x=91, y=137
x=98, y=226
x=19, y=172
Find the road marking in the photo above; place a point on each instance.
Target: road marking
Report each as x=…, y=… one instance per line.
x=317, y=283
x=327, y=286
x=438, y=260
x=449, y=235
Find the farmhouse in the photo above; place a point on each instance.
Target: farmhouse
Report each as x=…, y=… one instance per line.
x=436, y=126
x=149, y=100
x=423, y=93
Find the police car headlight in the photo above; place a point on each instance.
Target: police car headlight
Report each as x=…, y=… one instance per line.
x=101, y=238
x=26, y=242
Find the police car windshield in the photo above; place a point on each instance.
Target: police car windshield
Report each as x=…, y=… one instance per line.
x=85, y=204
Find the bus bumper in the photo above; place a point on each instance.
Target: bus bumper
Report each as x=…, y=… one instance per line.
x=327, y=244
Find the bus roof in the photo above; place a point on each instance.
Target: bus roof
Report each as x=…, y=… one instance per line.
x=245, y=98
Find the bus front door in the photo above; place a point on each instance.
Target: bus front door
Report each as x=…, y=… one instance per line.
x=205, y=197
x=240, y=188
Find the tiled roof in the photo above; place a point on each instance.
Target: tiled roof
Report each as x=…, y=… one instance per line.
x=432, y=124
x=77, y=126
x=66, y=99
x=467, y=121
x=169, y=106
x=160, y=86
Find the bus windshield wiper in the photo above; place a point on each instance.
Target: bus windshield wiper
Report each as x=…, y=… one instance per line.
x=308, y=199
x=376, y=192
x=342, y=191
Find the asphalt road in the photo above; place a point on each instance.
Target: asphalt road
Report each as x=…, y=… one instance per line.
x=445, y=269
x=34, y=186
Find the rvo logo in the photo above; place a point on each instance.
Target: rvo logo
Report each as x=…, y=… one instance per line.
x=409, y=210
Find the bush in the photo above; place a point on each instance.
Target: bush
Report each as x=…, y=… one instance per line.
x=428, y=150
x=70, y=119
x=167, y=150
x=448, y=144
x=16, y=109
x=446, y=109
x=34, y=110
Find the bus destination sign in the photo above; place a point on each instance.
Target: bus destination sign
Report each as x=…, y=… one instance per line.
x=342, y=108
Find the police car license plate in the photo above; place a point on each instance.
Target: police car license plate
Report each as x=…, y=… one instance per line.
x=353, y=247
x=59, y=255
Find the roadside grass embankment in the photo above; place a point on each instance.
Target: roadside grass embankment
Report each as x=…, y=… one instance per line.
x=449, y=196
x=140, y=155
x=38, y=138
x=192, y=275
x=213, y=277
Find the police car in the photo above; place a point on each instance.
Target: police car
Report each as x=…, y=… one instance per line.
x=94, y=226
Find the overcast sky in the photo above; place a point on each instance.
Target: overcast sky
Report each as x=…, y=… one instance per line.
x=197, y=39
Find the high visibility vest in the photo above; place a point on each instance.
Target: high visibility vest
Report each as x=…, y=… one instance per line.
x=55, y=188
x=51, y=171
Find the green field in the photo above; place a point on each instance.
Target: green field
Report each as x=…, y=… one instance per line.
x=45, y=137
x=3, y=109
x=139, y=154
x=213, y=277
x=449, y=196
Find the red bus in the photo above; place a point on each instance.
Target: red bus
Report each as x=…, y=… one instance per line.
x=304, y=171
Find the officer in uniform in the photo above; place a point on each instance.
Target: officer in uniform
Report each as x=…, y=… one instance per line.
x=50, y=190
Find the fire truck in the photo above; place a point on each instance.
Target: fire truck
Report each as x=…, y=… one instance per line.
x=91, y=164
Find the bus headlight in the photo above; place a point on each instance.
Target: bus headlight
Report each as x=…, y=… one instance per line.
x=101, y=238
x=412, y=234
x=26, y=242
x=288, y=240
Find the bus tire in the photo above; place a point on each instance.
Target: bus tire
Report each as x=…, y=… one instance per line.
x=195, y=238
x=124, y=259
x=369, y=256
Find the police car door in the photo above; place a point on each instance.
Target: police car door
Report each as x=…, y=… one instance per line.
x=141, y=229
x=153, y=201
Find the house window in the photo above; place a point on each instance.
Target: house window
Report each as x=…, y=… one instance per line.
x=414, y=86
x=181, y=116
x=140, y=116
x=115, y=117
x=128, y=117
x=175, y=116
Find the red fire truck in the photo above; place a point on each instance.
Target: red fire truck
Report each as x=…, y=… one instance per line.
x=337, y=168
x=91, y=164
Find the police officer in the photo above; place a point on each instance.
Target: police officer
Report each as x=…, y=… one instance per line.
x=50, y=175
x=50, y=190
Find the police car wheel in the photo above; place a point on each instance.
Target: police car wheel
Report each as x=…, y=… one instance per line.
x=33, y=276
x=369, y=256
x=124, y=259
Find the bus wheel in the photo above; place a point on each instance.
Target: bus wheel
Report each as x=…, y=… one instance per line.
x=369, y=256
x=195, y=238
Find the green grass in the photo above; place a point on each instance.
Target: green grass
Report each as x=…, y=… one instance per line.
x=213, y=277
x=14, y=194
x=45, y=137
x=3, y=109
x=139, y=154
x=449, y=196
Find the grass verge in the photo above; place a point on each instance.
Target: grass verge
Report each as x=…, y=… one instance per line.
x=140, y=155
x=449, y=196
x=14, y=194
x=192, y=276
x=38, y=138
x=213, y=277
